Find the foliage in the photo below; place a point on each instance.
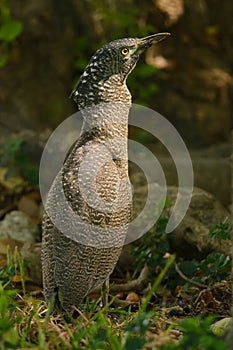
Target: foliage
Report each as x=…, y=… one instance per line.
x=9, y=338
x=99, y=331
x=26, y=323
x=216, y=267
x=9, y=31
x=98, y=334
x=152, y=249
x=153, y=246
x=135, y=331
x=221, y=230
x=14, y=266
x=17, y=162
x=197, y=336
x=94, y=333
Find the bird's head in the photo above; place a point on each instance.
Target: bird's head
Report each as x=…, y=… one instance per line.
x=121, y=56
x=112, y=63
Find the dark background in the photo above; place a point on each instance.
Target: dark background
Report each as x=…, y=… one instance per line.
x=187, y=78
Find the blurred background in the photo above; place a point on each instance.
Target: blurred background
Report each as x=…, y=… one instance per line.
x=188, y=78
x=46, y=44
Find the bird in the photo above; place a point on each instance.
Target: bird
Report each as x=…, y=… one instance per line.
x=78, y=255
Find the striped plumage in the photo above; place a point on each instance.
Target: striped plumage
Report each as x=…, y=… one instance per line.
x=72, y=269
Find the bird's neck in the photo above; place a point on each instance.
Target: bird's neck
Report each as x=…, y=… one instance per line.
x=105, y=115
x=91, y=91
x=114, y=89
x=106, y=120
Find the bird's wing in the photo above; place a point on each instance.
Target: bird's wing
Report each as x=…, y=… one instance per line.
x=99, y=180
x=88, y=187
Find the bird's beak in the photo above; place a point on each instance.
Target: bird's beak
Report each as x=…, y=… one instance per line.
x=146, y=42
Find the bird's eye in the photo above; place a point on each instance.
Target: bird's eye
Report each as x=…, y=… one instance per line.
x=124, y=51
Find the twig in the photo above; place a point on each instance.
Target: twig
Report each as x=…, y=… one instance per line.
x=137, y=284
x=157, y=282
x=189, y=280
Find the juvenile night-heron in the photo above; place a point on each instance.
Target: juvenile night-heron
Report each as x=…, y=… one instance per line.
x=72, y=266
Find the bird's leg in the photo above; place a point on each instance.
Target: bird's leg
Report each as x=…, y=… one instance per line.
x=105, y=292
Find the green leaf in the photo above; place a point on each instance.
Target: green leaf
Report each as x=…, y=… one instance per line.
x=10, y=30
x=188, y=268
x=135, y=343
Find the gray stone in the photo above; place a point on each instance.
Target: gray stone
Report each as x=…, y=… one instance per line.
x=17, y=225
x=191, y=238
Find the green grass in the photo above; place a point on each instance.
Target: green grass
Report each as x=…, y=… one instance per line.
x=28, y=323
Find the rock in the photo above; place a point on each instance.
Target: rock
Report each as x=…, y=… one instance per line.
x=191, y=238
x=18, y=226
x=204, y=207
x=211, y=167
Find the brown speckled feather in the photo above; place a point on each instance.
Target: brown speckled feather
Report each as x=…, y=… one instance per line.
x=72, y=269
